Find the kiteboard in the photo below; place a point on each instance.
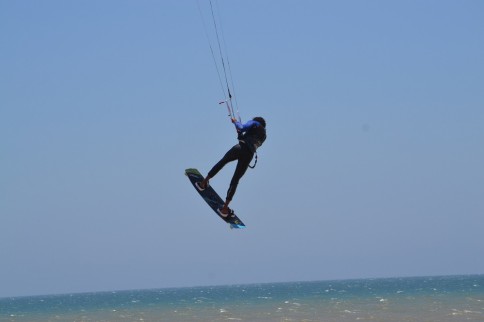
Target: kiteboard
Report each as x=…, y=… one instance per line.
x=212, y=198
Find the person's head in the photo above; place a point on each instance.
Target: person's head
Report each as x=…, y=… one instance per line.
x=260, y=120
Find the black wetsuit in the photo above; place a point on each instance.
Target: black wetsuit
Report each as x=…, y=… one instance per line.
x=251, y=136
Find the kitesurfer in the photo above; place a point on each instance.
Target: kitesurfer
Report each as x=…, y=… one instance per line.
x=251, y=135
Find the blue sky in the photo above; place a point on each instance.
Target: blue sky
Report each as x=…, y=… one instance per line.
x=372, y=166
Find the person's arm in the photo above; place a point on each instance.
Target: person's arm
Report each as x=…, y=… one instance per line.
x=244, y=127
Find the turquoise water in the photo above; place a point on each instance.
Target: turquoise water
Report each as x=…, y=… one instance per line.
x=426, y=299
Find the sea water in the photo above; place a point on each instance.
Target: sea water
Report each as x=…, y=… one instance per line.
x=420, y=299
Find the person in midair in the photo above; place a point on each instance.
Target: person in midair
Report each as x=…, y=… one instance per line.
x=251, y=135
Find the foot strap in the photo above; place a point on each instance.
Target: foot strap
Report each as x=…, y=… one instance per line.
x=199, y=188
x=229, y=214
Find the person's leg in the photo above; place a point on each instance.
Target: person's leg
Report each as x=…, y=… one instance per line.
x=242, y=165
x=230, y=156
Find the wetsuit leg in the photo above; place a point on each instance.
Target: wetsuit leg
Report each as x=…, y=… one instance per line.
x=231, y=155
x=244, y=159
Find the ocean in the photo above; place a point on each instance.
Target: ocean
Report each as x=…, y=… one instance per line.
x=419, y=299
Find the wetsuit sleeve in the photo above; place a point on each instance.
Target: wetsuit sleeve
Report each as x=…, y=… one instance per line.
x=244, y=127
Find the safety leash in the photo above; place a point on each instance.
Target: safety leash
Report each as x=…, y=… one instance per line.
x=253, y=166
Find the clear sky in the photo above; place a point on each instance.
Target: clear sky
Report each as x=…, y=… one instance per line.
x=373, y=166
